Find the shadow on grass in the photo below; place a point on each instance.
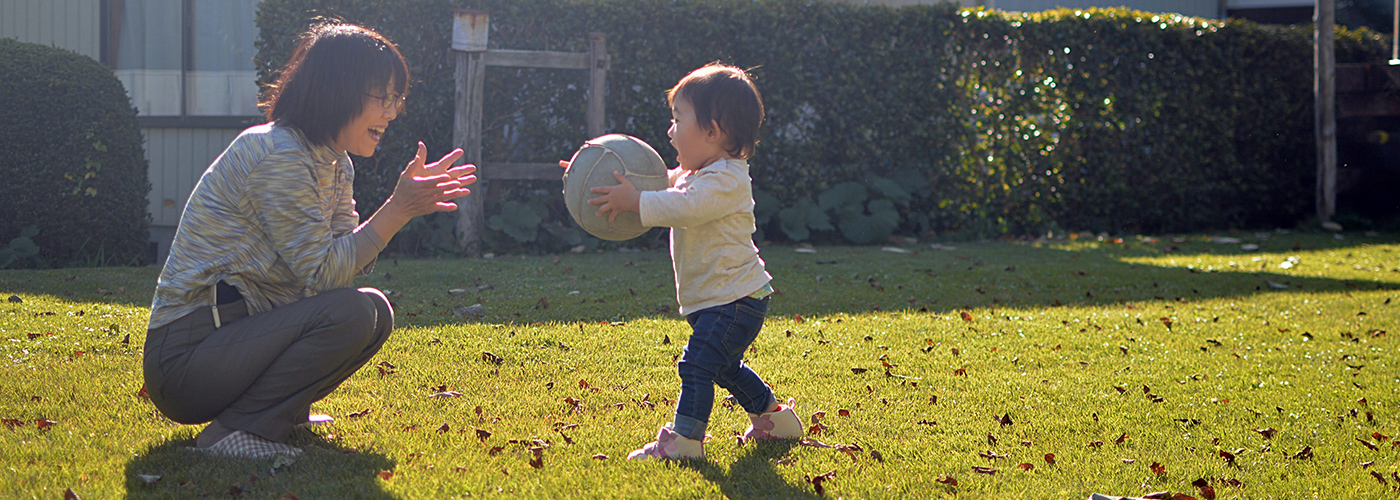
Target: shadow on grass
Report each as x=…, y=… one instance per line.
x=856, y=280
x=620, y=286
x=325, y=470
x=752, y=475
x=118, y=286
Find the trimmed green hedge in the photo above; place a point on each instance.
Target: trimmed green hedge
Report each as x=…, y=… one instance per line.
x=891, y=121
x=71, y=155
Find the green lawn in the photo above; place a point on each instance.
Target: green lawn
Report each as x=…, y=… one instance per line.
x=1140, y=365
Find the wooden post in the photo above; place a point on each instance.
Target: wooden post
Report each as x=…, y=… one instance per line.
x=469, y=33
x=1395, y=35
x=469, y=44
x=597, y=83
x=1325, y=90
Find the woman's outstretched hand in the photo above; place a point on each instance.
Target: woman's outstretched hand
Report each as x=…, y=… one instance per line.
x=429, y=188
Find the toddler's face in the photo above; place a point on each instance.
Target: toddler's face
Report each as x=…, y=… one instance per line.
x=695, y=146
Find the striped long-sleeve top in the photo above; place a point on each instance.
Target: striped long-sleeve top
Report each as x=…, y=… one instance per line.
x=274, y=216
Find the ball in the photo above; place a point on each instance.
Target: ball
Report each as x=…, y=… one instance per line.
x=593, y=166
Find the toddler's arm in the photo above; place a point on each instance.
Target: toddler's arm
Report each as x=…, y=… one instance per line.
x=705, y=197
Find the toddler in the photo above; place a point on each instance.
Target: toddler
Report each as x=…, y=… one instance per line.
x=721, y=283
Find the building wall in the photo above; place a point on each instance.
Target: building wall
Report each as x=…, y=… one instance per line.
x=185, y=153
x=75, y=25
x=178, y=156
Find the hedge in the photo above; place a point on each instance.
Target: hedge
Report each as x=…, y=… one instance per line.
x=71, y=155
x=915, y=121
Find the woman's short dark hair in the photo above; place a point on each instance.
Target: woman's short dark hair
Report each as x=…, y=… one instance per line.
x=322, y=88
x=725, y=95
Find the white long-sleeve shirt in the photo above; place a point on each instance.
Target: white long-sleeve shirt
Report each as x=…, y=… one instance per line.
x=710, y=213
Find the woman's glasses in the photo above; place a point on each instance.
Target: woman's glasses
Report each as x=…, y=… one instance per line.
x=390, y=101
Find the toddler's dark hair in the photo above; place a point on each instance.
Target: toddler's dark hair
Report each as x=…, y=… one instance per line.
x=724, y=95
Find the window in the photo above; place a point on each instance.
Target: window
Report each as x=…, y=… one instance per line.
x=185, y=58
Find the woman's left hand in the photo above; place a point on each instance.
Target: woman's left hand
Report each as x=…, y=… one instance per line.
x=429, y=188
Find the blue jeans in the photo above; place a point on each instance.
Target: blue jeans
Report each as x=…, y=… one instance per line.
x=715, y=355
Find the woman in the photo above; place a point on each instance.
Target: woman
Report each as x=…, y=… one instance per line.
x=254, y=316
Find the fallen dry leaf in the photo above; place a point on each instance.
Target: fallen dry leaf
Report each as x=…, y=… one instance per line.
x=818, y=480
x=1206, y=490
x=1157, y=469
x=947, y=480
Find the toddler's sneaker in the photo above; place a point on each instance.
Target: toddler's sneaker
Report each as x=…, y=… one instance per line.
x=669, y=446
x=781, y=423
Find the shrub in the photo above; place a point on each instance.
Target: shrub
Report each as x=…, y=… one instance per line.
x=1098, y=119
x=72, y=160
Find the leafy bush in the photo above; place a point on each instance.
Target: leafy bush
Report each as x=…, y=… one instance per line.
x=1099, y=119
x=20, y=248
x=72, y=160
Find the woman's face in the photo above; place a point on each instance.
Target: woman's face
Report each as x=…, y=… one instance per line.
x=361, y=136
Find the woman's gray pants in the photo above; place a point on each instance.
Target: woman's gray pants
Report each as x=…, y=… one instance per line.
x=260, y=373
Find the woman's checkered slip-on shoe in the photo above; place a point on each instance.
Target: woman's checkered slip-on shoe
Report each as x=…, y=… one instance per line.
x=244, y=445
x=669, y=446
x=781, y=423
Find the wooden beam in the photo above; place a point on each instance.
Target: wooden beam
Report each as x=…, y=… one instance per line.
x=520, y=172
x=1325, y=130
x=536, y=59
x=1372, y=105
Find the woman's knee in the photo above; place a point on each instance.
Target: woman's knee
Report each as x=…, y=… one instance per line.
x=384, y=310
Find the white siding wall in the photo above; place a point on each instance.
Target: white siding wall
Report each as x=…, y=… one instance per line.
x=75, y=25
x=178, y=156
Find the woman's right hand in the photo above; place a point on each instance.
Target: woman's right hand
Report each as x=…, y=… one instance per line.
x=429, y=188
